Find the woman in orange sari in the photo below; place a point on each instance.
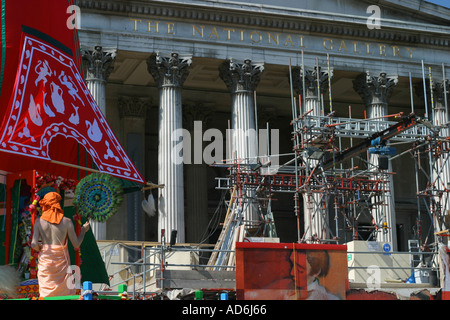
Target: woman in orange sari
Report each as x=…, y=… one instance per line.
x=54, y=229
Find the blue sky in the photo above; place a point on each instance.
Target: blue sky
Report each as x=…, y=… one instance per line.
x=445, y=3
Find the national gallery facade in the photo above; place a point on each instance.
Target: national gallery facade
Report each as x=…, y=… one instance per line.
x=155, y=67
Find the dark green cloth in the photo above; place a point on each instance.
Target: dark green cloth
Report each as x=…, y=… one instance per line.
x=14, y=220
x=2, y=224
x=15, y=197
x=130, y=186
x=92, y=266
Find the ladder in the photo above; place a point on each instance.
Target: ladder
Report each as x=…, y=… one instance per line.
x=225, y=233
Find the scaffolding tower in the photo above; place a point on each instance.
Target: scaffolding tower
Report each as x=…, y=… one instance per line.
x=336, y=182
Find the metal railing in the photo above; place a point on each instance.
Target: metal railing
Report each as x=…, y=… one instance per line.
x=154, y=258
x=421, y=264
x=364, y=128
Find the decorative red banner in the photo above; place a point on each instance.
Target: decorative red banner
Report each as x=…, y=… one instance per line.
x=50, y=98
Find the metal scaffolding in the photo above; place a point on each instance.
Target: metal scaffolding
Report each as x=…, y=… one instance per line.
x=331, y=175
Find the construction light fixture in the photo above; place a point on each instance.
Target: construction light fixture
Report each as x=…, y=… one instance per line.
x=383, y=150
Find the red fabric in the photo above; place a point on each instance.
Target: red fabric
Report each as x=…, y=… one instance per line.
x=35, y=14
x=46, y=107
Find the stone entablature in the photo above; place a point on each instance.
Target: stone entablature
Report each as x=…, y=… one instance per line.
x=145, y=27
x=277, y=17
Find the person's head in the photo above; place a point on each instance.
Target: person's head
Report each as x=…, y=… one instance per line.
x=319, y=262
x=51, y=208
x=50, y=199
x=299, y=268
x=317, y=265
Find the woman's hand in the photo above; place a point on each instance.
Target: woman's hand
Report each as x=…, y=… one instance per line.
x=86, y=226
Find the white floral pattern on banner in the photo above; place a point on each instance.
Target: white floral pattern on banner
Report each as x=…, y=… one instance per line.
x=51, y=98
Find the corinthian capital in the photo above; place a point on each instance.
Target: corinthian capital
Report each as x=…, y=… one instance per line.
x=241, y=76
x=375, y=89
x=441, y=89
x=314, y=78
x=133, y=107
x=169, y=70
x=98, y=62
x=196, y=112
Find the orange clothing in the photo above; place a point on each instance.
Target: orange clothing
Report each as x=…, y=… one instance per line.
x=52, y=271
x=54, y=259
x=51, y=209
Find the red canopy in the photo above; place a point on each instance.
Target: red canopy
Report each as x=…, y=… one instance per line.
x=50, y=119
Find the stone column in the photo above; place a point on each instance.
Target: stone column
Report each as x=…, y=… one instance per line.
x=170, y=72
x=242, y=78
x=98, y=64
x=195, y=118
x=441, y=169
x=316, y=84
x=375, y=92
x=132, y=111
x=315, y=202
x=440, y=172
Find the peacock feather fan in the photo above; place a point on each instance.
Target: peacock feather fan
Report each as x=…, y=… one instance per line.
x=98, y=196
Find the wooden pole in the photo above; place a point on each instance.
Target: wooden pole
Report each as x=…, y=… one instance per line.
x=73, y=166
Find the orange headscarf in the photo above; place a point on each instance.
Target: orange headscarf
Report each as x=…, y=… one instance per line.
x=51, y=209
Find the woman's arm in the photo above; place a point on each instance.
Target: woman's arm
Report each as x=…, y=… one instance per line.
x=35, y=240
x=77, y=240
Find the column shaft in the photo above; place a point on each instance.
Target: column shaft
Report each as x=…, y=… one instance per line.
x=242, y=79
x=441, y=164
x=384, y=209
x=97, y=88
x=196, y=202
x=98, y=64
x=170, y=72
x=243, y=125
x=315, y=203
x=195, y=118
x=376, y=91
x=171, y=205
x=132, y=111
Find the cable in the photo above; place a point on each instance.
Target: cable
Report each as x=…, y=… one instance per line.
x=215, y=220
